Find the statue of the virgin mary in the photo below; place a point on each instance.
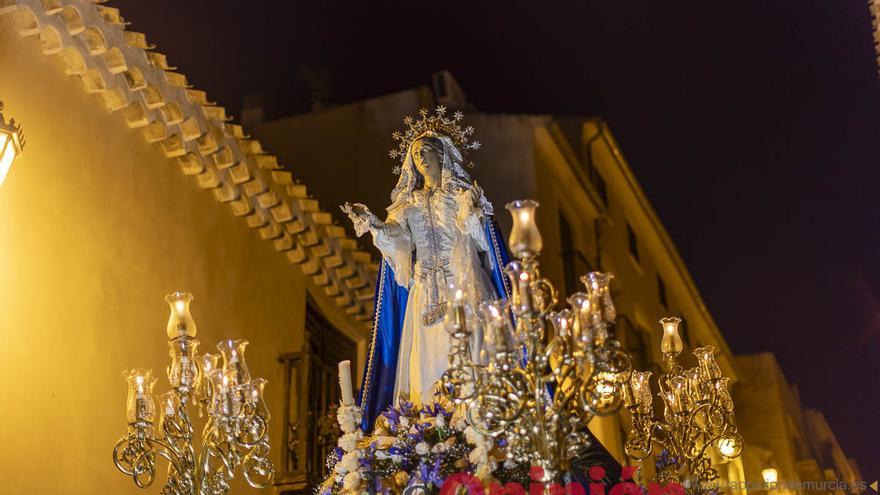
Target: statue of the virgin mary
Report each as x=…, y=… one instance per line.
x=439, y=231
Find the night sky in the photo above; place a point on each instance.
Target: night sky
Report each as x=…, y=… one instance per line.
x=752, y=126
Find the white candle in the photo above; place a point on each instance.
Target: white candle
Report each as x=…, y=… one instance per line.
x=345, y=383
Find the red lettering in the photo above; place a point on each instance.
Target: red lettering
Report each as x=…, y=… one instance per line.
x=463, y=480
x=671, y=488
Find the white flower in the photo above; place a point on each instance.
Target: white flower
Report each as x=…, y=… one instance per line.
x=485, y=469
x=348, y=463
x=439, y=421
x=440, y=447
x=348, y=418
x=509, y=464
x=478, y=456
x=404, y=421
x=352, y=481
x=348, y=442
x=422, y=448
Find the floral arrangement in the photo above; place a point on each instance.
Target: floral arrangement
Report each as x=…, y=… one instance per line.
x=414, y=446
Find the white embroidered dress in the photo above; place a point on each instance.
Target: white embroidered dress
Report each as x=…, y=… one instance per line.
x=430, y=241
x=431, y=238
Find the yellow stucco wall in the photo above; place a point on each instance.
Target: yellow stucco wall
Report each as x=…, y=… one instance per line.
x=96, y=226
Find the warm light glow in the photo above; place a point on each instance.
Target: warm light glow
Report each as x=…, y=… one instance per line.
x=7, y=155
x=180, y=321
x=671, y=344
x=730, y=446
x=770, y=475
x=725, y=447
x=525, y=239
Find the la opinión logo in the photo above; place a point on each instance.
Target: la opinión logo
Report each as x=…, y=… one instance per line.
x=455, y=483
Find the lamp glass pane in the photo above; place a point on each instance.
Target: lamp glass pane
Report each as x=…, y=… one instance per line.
x=7, y=154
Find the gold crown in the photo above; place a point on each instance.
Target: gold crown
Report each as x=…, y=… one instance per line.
x=438, y=123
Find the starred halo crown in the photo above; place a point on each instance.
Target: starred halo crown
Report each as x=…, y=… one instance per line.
x=438, y=123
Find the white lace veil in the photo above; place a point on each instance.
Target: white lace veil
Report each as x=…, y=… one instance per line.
x=453, y=173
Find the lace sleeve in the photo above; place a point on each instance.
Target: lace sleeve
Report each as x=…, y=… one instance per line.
x=394, y=241
x=471, y=214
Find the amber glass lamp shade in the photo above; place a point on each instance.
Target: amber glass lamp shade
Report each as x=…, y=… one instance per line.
x=525, y=239
x=671, y=344
x=180, y=321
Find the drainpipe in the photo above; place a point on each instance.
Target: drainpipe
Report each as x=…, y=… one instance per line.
x=601, y=219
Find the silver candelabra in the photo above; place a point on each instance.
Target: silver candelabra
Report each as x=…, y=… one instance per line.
x=235, y=433
x=546, y=373
x=697, y=413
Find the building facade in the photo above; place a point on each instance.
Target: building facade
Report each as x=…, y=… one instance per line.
x=783, y=435
x=133, y=185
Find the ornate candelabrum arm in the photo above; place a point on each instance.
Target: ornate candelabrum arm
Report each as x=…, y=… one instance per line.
x=237, y=417
x=698, y=412
x=547, y=372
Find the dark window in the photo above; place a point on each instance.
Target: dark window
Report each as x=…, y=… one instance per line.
x=661, y=291
x=636, y=342
x=566, y=240
x=684, y=331
x=312, y=392
x=594, y=175
x=633, y=242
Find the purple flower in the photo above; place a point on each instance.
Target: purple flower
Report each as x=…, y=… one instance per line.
x=434, y=410
x=429, y=472
x=406, y=408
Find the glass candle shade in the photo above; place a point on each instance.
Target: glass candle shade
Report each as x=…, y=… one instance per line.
x=673, y=405
x=679, y=386
x=708, y=367
x=256, y=398
x=233, y=359
x=208, y=363
x=140, y=406
x=226, y=396
x=722, y=394
x=695, y=384
x=184, y=370
x=500, y=336
x=597, y=284
x=562, y=321
x=581, y=307
x=671, y=344
x=520, y=283
x=169, y=407
x=641, y=388
x=456, y=318
x=180, y=321
x=525, y=238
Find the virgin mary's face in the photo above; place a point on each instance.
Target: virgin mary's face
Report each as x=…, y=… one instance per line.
x=427, y=160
